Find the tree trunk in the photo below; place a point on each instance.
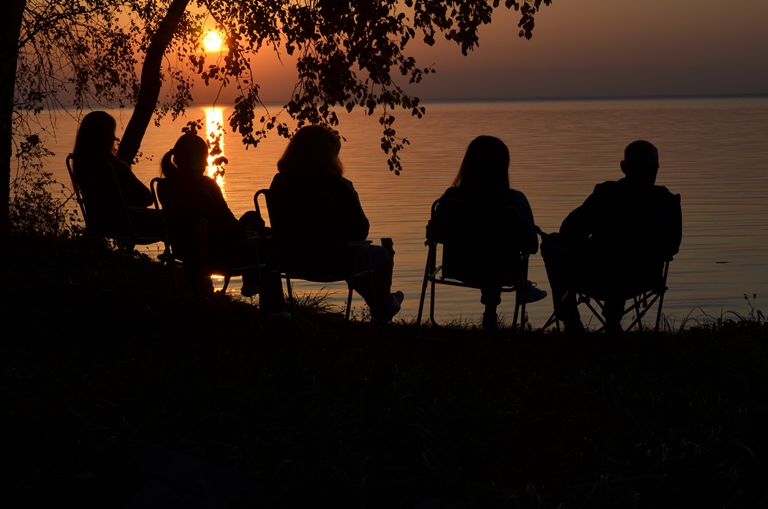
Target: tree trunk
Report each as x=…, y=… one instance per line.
x=10, y=29
x=150, y=82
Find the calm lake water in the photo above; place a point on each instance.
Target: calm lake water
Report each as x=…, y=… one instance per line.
x=713, y=152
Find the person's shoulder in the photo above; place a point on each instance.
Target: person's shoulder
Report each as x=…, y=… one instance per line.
x=453, y=192
x=340, y=184
x=610, y=186
x=280, y=181
x=117, y=163
x=663, y=191
x=197, y=183
x=514, y=194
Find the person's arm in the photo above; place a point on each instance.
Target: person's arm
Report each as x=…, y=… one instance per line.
x=135, y=193
x=673, y=227
x=354, y=224
x=529, y=238
x=221, y=210
x=579, y=224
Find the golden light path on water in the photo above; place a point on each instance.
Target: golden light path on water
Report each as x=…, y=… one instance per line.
x=214, y=132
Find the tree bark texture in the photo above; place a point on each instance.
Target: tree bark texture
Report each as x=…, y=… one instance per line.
x=150, y=82
x=10, y=29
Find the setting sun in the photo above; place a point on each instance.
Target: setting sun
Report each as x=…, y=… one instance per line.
x=212, y=41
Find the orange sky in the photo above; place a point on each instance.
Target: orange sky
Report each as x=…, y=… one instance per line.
x=592, y=48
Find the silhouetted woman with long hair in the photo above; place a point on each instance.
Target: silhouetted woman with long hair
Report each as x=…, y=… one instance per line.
x=311, y=164
x=484, y=177
x=186, y=189
x=202, y=227
x=102, y=178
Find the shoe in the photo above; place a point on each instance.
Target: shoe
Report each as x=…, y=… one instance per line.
x=396, y=300
x=249, y=290
x=533, y=294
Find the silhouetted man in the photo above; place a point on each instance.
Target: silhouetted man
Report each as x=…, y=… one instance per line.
x=614, y=245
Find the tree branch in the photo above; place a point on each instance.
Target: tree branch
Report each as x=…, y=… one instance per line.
x=150, y=82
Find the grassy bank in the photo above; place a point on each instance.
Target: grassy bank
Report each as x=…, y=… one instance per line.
x=353, y=417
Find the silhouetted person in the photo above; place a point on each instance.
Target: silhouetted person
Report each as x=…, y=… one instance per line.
x=484, y=178
x=616, y=242
x=102, y=177
x=310, y=167
x=203, y=230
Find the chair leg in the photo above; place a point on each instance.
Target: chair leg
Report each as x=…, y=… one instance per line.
x=291, y=302
x=598, y=314
x=423, y=295
x=638, y=312
x=432, y=305
x=518, y=300
x=166, y=258
x=124, y=268
x=643, y=304
x=375, y=310
x=658, y=311
x=522, y=315
x=349, y=301
x=553, y=318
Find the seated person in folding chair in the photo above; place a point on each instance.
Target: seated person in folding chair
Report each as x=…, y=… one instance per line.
x=193, y=200
x=484, y=177
x=311, y=163
x=93, y=155
x=616, y=242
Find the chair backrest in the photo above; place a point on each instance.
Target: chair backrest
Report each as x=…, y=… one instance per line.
x=107, y=213
x=76, y=187
x=638, y=261
x=307, y=216
x=185, y=208
x=305, y=228
x=481, y=241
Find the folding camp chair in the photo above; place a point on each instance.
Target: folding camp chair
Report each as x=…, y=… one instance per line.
x=188, y=235
x=129, y=234
x=637, y=302
x=480, y=248
x=306, y=246
x=632, y=271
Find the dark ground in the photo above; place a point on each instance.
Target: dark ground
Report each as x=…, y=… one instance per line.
x=140, y=398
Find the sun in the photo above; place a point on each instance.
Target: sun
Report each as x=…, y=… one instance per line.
x=212, y=41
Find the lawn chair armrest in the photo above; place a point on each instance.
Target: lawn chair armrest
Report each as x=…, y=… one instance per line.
x=358, y=243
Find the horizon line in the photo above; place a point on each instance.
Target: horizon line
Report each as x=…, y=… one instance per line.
x=761, y=95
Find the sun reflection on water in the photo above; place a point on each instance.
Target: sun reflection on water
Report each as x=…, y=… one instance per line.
x=214, y=131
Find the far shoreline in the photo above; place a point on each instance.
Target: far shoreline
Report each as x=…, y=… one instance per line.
x=541, y=99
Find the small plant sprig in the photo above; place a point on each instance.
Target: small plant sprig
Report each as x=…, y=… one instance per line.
x=754, y=313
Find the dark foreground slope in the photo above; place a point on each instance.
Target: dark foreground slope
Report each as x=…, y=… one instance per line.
x=110, y=397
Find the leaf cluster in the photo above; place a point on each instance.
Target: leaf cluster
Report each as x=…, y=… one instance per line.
x=348, y=54
x=37, y=201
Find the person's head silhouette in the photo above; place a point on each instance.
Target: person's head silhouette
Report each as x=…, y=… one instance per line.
x=189, y=157
x=96, y=135
x=641, y=162
x=313, y=150
x=485, y=168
